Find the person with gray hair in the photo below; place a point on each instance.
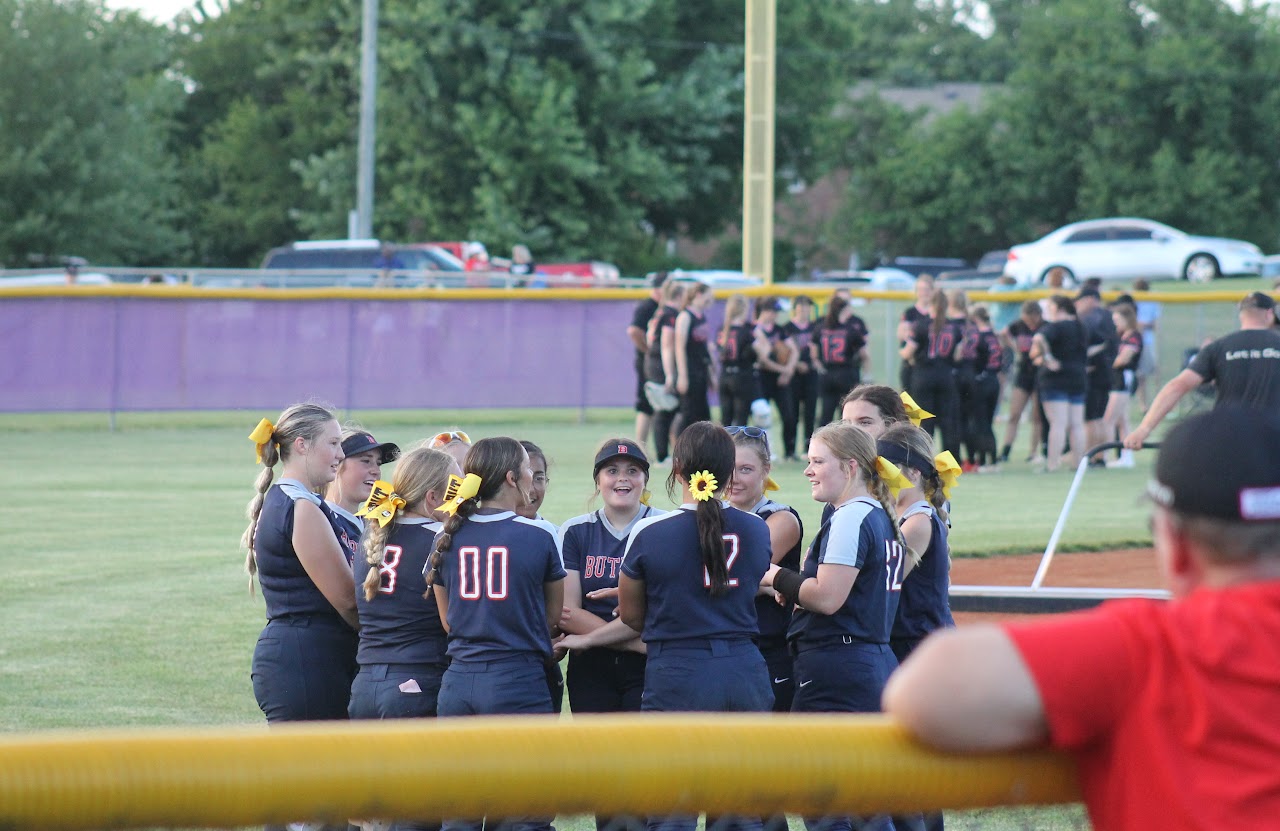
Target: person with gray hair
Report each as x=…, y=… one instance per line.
x=1167, y=708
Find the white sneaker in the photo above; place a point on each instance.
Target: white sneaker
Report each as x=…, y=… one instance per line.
x=1123, y=462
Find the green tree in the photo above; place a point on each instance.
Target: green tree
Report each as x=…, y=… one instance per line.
x=85, y=109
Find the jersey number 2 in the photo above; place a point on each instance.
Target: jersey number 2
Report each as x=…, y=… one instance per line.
x=893, y=565
x=730, y=555
x=495, y=573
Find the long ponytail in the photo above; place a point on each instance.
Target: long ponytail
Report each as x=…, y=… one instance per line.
x=706, y=448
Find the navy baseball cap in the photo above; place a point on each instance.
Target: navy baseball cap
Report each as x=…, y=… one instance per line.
x=623, y=448
x=364, y=442
x=1223, y=464
x=1258, y=300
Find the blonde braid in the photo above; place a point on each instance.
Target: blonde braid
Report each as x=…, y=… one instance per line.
x=444, y=541
x=932, y=487
x=270, y=455
x=375, y=548
x=880, y=490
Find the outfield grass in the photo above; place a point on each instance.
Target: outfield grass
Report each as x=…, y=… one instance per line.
x=126, y=602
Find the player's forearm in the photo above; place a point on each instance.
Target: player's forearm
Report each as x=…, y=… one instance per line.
x=613, y=633
x=579, y=621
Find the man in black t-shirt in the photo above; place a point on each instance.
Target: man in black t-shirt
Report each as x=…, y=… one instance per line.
x=1103, y=345
x=1244, y=366
x=636, y=330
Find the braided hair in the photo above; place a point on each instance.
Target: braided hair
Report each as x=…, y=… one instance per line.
x=418, y=472
x=920, y=454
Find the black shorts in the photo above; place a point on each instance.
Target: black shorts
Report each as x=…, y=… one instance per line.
x=1025, y=380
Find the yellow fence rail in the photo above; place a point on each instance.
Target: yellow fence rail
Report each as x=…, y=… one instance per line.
x=638, y=765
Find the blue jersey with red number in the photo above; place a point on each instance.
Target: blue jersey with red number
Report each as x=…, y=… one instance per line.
x=349, y=529
x=859, y=534
x=494, y=572
x=286, y=586
x=773, y=617
x=594, y=548
x=924, y=603
x=399, y=625
x=664, y=552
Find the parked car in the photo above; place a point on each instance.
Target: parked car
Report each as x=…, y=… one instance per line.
x=986, y=272
x=1271, y=267
x=886, y=279
x=915, y=266
x=716, y=278
x=1126, y=248
x=344, y=258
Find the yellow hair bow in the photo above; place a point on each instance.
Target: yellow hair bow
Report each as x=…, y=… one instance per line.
x=460, y=490
x=645, y=496
x=914, y=411
x=703, y=485
x=382, y=504
x=261, y=436
x=771, y=485
x=948, y=471
x=891, y=476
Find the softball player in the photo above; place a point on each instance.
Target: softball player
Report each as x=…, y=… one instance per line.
x=847, y=592
x=777, y=369
x=747, y=492
x=530, y=510
x=402, y=642
x=741, y=347
x=604, y=679
x=693, y=359
x=1022, y=333
x=931, y=349
x=362, y=460
x=454, y=442
x=688, y=584
x=842, y=351
x=804, y=385
x=660, y=362
x=305, y=658
x=499, y=587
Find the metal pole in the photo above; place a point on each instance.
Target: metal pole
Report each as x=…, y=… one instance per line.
x=368, y=113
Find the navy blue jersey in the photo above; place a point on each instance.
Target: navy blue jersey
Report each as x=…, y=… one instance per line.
x=494, y=573
x=664, y=552
x=399, y=625
x=924, y=604
x=286, y=586
x=774, y=618
x=737, y=346
x=349, y=529
x=841, y=344
x=859, y=534
x=593, y=547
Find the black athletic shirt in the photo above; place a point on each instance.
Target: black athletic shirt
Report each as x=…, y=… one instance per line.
x=1245, y=366
x=839, y=345
x=1066, y=339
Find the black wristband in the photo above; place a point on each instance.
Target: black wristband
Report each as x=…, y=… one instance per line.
x=787, y=583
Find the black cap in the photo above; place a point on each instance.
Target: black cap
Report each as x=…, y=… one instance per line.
x=657, y=279
x=1088, y=292
x=1223, y=464
x=1258, y=300
x=623, y=448
x=364, y=442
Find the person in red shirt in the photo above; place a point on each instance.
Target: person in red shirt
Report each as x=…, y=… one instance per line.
x=1169, y=709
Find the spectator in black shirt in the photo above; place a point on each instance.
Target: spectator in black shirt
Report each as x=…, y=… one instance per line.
x=1060, y=348
x=636, y=331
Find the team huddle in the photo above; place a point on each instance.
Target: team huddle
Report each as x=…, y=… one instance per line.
x=442, y=592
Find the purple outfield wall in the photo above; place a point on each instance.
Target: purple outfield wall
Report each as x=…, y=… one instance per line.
x=126, y=353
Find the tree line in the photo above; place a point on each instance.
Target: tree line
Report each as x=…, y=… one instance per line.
x=604, y=128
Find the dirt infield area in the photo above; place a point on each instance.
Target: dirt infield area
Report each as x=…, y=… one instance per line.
x=1130, y=568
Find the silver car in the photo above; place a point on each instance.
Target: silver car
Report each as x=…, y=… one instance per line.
x=1126, y=248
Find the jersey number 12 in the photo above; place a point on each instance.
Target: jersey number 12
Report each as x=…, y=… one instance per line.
x=730, y=555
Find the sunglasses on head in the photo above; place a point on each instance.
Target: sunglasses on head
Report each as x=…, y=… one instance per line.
x=750, y=432
x=449, y=436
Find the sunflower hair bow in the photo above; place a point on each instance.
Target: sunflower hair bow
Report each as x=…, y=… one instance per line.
x=771, y=485
x=948, y=471
x=261, y=436
x=460, y=489
x=915, y=412
x=382, y=504
x=703, y=485
x=892, y=476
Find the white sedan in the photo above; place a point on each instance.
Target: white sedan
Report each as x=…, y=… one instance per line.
x=1126, y=249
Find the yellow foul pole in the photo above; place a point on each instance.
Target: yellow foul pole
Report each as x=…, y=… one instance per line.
x=757, y=185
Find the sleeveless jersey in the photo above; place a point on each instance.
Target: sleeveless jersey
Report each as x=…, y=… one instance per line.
x=859, y=534
x=286, y=586
x=664, y=552
x=774, y=618
x=924, y=604
x=399, y=625
x=494, y=573
x=594, y=548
